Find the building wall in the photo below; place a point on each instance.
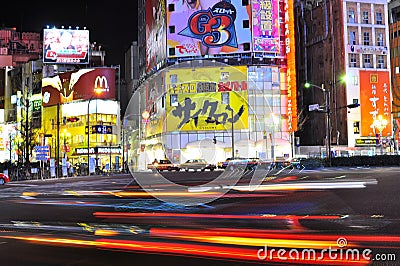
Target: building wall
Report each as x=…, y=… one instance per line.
x=320, y=60
x=367, y=56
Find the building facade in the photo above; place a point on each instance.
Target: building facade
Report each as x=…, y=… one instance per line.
x=346, y=39
x=233, y=96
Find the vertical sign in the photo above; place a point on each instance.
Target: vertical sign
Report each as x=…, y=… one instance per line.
x=291, y=65
x=265, y=16
x=375, y=99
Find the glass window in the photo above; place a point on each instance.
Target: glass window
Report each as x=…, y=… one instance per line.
x=352, y=38
x=353, y=60
x=379, y=19
x=379, y=39
x=351, y=16
x=225, y=98
x=381, y=61
x=174, y=100
x=366, y=38
x=367, y=60
x=365, y=17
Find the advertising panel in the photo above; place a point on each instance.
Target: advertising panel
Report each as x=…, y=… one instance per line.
x=156, y=34
x=65, y=46
x=375, y=101
x=154, y=93
x=211, y=103
x=83, y=84
x=290, y=51
x=2, y=87
x=208, y=27
x=265, y=19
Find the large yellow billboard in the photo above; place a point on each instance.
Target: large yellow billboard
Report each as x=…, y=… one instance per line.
x=211, y=98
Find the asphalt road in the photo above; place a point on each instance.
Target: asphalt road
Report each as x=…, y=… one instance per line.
x=110, y=220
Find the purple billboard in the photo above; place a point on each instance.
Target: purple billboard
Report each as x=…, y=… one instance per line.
x=266, y=26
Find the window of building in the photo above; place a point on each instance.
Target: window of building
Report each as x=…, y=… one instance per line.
x=379, y=19
x=352, y=38
x=366, y=38
x=354, y=80
x=353, y=60
x=225, y=98
x=379, y=39
x=351, y=16
x=367, y=60
x=174, y=100
x=381, y=61
x=365, y=17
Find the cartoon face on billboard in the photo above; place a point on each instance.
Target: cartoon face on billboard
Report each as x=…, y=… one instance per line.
x=207, y=27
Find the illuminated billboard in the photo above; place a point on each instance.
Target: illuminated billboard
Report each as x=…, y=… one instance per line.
x=216, y=102
x=65, y=46
x=155, y=34
x=265, y=18
x=290, y=52
x=79, y=85
x=375, y=101
x=198, y=28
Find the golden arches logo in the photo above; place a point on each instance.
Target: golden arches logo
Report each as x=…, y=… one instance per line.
x=101, y=84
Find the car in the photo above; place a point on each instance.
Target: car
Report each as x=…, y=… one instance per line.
x=4, y=179
x=251, y=163
x=225, y=163
x=197, y=164
x=163, y=165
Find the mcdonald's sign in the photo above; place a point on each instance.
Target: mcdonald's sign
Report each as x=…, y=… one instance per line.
x=101, y=84
x=79, y=85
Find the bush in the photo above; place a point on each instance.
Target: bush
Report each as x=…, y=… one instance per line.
x=377, y=160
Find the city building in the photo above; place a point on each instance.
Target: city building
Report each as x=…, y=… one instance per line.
x=344, y=40
x=51, y=103
x=234, y=95
x=394, y=38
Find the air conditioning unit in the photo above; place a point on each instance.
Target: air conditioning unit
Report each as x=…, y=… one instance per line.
x=3, y=50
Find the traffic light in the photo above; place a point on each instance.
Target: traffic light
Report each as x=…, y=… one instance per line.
x=214, y=140
x=73, y=119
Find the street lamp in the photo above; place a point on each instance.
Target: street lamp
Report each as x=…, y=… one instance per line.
x=380, y=124
x=88, y=126
x=328, y=117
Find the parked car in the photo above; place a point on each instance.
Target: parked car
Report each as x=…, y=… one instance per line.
x=163, y=165
x=4, y=179
x=197, y=164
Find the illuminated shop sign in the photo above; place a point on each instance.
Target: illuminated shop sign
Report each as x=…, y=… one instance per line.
x=291, y=65
x=79, y=85
x=98, y=150
x=266, y=26
x=375, y=100
x=65, y=46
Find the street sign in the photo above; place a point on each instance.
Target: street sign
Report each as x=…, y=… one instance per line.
x=313, y=107
x=41, y=157
x=42, y=149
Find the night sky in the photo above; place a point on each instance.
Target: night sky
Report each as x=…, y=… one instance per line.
x=113, y=24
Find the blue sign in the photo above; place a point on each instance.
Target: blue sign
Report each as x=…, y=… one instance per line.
x=41, y=157
x=42, y=149
x=100, y=129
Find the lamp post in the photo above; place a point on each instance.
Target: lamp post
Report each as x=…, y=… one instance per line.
x=233, y=134
x=88, y=126
x=328, y=117
x=380, y=124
